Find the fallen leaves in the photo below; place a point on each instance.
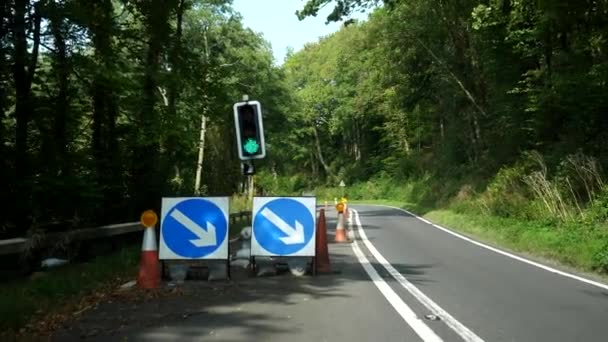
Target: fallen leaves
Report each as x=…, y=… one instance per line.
x=44, y=324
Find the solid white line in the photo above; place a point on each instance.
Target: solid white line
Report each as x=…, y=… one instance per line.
x=450, y=321
x=408, y=315
x=425, y=220
x=512, y=256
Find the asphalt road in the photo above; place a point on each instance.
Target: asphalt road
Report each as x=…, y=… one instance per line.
x=401, y=279
x=494, y=296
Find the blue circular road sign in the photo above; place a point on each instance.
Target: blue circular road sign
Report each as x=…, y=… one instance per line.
x=283, y=226
x=194, y=228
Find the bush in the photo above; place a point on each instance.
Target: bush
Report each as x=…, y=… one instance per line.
x=505, y=195
x=601, y=259
x=598, y=210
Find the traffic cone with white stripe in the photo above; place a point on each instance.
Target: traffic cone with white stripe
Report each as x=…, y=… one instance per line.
x=340, y=231
x=149, y=267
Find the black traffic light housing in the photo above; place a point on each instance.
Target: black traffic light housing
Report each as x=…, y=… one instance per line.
x=249, y=130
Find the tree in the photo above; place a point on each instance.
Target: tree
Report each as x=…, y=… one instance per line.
x=24, y=68
x=102, y=101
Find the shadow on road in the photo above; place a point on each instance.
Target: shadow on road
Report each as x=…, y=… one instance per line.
x=246, y=307
x=250, y=308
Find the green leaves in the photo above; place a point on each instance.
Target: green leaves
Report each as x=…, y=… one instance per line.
x=135, y=84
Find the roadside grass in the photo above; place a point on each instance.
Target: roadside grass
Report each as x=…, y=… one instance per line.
x=573, y=245
x=23, y=300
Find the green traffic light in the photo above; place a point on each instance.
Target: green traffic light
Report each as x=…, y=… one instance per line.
x=251, y=146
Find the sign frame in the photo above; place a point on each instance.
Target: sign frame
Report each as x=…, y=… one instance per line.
x=313, y=240
x=260, y=202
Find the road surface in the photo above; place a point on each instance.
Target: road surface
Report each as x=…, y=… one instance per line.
x=496, y=297
x=400, y=280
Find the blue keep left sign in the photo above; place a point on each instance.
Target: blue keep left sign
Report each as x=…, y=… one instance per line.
x=194, y=228
x=283, y=226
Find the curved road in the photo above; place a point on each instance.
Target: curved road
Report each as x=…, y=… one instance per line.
x=487, y=296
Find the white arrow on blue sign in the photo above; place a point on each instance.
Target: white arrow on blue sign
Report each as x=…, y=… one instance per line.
x=194, y=228
x=283, y=226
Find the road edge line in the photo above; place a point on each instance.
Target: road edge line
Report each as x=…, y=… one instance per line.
x=459, y=328
x=499, y=251
x=408, y=315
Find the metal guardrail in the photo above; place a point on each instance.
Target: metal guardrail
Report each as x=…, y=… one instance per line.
x=18, y=245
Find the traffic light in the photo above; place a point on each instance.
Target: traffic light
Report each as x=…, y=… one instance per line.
x=249, y=130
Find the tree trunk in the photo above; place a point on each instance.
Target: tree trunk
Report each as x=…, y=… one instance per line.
x=61, y=69
x=313, y=165
x=24, y=67
x=440, y=117
x=4, y=13
x=174, y=85
x=146, y=159
x=319, y=151
x=441, y=126
x=4, y=75
x=22, y=110
x=171, y=138
x=201, y=155
x=360, y=143
x=105, y=110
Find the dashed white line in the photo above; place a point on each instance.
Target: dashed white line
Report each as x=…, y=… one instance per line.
x=450, y=321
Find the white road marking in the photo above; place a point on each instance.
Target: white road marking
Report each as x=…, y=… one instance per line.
x=450, y=321
x=507, y=254
x=408, y=315
x=425, y=220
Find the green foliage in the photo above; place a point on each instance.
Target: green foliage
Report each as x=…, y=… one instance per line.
x=601, y=259
x=239, y=203
x=598, y=210
x=113, y=117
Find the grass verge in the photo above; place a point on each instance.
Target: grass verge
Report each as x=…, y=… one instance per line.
x=576, y=246
x=23, y=300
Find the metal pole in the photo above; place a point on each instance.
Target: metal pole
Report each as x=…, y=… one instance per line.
x=250, y=178
x=201, y=152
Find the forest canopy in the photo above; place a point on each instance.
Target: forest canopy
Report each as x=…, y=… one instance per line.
x=102, y=102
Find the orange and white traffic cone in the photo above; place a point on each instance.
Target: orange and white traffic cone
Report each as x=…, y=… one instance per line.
x=340, y=231
x=149, y=267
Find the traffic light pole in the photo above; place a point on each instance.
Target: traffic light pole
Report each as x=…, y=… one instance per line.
x=249, y=170
x=250, y=192
x=250, y=138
